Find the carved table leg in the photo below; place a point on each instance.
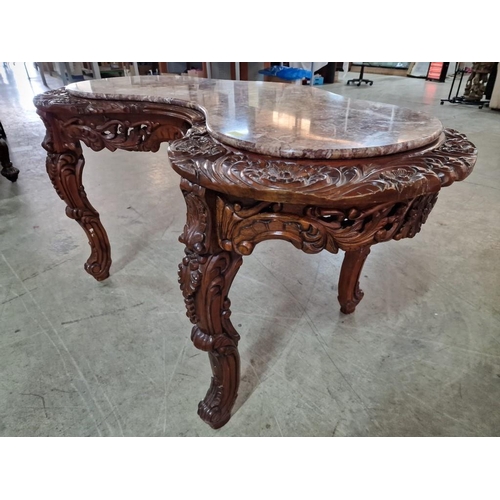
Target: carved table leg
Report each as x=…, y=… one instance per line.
x=65, y=170
x=214, y=332
x=349, y=292
x=205, y=276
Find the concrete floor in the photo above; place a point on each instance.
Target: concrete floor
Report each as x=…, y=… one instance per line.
x=420, y=357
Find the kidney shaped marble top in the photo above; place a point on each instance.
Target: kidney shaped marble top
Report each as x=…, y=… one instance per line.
x=279, y=119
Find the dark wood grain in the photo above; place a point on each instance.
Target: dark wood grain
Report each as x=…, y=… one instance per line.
x=236, y=199
x=205, y=276
x=99, y=124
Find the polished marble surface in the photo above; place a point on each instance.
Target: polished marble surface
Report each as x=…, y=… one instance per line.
x=280, y=119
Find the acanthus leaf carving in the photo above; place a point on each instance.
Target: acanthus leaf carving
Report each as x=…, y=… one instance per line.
x=240, y=229
x=313, y=229
x=194, y=236
x=65, y=172
x=115, y=124
x=112, y=134
x=198, y=222
x=409, y=175
x=205, y=276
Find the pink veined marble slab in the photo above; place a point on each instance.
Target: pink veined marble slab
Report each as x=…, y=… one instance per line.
x=279, y=119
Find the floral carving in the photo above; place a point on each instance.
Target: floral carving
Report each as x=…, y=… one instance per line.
x=112, y=134
x=241, y=228
x=205, y=276
x=407, y=175
x=103, y=123
x=65, y=172
x=189, y=280
x=417, y=214
x=313, y=229
x=197, y=145
x=194, y=235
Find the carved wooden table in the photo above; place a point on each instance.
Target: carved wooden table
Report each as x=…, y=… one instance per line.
x=257, y=161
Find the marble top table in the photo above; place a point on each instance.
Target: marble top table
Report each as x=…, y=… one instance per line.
x=277, y=119
x=257, y=161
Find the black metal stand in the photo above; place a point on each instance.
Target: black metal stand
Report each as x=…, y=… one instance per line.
x=461, y=100
x=360, y=80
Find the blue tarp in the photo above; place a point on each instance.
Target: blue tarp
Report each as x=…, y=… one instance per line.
x=286, y=73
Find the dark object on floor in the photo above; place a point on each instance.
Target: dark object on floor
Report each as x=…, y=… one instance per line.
x=8, y=170
x=360, y=80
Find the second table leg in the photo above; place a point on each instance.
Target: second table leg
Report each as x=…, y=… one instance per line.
x=65, y=170
x=205, y=276
x=349, y=292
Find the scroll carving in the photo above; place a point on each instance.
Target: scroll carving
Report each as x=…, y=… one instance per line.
x=453, y=160
x=241, y=228
x=215, y=333
x=194, y=237
x=313, y=229
x=128, y=125
x=407, y=176
x=416, y=215
x=65, y=172
x=205, y=276
x=113, y=134
x=59, y=102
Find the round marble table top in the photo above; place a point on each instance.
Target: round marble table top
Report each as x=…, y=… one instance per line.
x=279, y=119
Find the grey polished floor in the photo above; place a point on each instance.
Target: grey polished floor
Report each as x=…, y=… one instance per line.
x=420, y=356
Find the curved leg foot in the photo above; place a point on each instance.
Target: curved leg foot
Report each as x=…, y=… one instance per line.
x=205, y=282
x=215, y=408
x=65, y=171
x=349, y=292
x=205, y=276
x=8, y=170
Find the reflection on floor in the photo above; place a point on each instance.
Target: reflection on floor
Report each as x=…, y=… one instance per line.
x=420, y=357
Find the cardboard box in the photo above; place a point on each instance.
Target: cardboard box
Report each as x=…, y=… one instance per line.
x=195, y=72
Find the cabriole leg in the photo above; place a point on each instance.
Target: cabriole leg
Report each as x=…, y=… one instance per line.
x=65, y=170
x=214, y=332
x=205, y=275
x=349, y=292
